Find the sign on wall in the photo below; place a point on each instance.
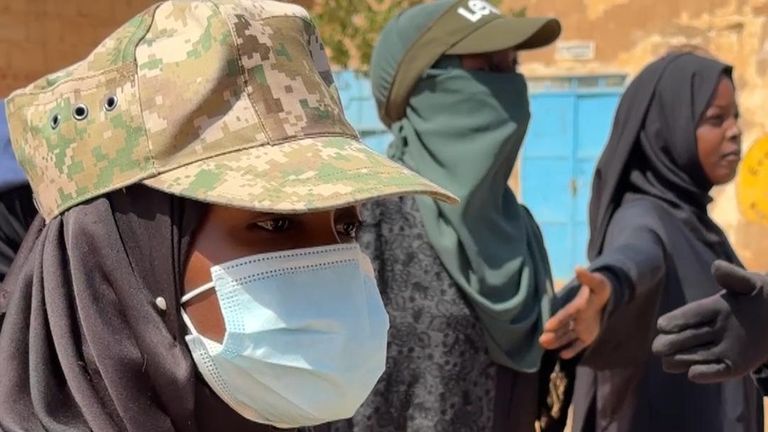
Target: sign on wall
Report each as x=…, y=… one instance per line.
x=575, y=50
x=751, y=190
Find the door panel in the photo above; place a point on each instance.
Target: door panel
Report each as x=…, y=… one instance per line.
x=594, y=117
x=594, y=120
x=559, y=249
x=566, y=137
x=545, y=173
x=550, y=131
x=548, y=191
x=579, y=251
x=583, y=171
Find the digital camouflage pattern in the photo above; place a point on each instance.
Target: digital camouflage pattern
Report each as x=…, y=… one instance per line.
x=230, y=102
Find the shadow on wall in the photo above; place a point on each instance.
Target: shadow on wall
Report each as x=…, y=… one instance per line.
x=750, y=214
x=751, y=240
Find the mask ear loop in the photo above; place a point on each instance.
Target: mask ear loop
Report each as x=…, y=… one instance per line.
x=189, y=296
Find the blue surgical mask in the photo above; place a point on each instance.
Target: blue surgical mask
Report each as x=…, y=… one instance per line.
x=306, y=335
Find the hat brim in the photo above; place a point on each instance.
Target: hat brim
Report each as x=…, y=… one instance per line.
x=509, y=32
x=302, y=176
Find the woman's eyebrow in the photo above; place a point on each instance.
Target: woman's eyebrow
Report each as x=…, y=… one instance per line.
x=348, y=210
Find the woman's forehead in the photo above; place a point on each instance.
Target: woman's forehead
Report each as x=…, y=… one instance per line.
x=240, y=213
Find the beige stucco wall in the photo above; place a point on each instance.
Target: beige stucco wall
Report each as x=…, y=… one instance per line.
x=630, y=33
x=41, y=36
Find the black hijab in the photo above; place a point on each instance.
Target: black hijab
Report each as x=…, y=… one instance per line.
x=84, y=345
x=17, y=211
x=652, y=150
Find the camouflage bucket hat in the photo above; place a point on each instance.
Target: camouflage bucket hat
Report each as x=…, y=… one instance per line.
x=230, y=102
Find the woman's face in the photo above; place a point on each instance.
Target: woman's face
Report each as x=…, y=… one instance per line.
x=718, y=135
x=228, y=233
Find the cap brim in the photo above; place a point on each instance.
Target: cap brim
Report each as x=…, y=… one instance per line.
x=307, y=175
x=509, y=32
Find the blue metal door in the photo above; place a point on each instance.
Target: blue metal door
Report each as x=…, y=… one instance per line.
x=567, y=133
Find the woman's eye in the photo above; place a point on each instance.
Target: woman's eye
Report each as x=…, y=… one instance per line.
x=273, y=225
x=348, y=229
x=716, y=120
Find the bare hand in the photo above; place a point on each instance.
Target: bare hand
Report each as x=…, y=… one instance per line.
x=577, y=325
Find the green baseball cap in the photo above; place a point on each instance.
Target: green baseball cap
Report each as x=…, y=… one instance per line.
x=230, y=102
x=415, y=39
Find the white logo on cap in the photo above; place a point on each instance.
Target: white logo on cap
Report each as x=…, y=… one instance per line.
x=477, y=10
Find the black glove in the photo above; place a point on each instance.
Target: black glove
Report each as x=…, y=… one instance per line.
x=720, y=337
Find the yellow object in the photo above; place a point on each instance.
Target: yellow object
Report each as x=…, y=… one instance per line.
x=752, y=183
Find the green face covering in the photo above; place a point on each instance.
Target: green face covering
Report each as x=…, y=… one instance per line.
x=463, y=130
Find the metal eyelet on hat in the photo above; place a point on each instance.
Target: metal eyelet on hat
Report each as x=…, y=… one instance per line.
x=110, y=103
x=55, y=121
x=161, y=304
x=80, y=112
